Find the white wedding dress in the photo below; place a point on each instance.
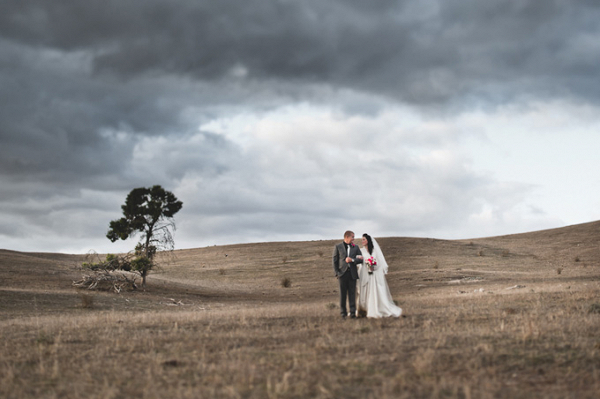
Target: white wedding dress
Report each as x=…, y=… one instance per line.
x=374, y=293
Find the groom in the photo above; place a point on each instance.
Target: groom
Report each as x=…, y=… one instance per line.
x=345, y=257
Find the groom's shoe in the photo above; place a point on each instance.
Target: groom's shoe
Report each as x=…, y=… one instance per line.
x=344, y=316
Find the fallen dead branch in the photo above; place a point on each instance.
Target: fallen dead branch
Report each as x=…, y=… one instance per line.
x=105, y=280
x=174, y=302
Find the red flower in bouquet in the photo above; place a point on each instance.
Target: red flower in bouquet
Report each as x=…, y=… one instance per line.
x=371, y=264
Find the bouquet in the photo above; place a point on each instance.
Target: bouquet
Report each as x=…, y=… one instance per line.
x=371, y=263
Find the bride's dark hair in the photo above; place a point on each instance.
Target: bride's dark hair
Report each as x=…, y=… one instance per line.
x=369, y=243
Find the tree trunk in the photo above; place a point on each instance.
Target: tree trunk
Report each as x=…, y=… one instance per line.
x=147, y=246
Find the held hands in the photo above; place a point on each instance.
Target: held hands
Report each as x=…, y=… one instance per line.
x=350, y=260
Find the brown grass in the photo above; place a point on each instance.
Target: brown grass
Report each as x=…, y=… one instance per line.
x=500, y=327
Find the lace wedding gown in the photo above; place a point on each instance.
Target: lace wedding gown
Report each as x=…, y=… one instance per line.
x=374, y=293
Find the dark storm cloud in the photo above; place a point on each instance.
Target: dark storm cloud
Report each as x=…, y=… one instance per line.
x=423, y=52
x=60, y=125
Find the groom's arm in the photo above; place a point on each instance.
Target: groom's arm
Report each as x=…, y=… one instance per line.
x=336, y=260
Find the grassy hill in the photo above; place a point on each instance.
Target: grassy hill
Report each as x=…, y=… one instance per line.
x=510, y=316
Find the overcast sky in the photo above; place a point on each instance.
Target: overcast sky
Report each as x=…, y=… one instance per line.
x=296, y=120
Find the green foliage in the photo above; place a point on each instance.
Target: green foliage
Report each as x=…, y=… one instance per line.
x=149, y=252
x=119, y=229
x=142, y=264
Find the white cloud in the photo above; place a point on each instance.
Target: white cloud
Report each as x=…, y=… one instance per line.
x=384, y=175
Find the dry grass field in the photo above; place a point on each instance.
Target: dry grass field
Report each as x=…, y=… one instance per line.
x=504, y=317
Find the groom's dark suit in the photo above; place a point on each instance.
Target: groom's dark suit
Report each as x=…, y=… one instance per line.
x=347, y=274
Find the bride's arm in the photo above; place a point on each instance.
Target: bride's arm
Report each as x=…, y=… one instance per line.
x=360, y=256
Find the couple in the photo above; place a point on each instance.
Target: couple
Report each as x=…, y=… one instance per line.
x=374, y=294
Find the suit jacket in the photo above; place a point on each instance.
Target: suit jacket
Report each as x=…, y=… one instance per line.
x=339, y=260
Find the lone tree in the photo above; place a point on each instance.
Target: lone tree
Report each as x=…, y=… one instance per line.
x=148, y=211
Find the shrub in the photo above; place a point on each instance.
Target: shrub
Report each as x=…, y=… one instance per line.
x=595, y=308
x=87, y=301
x=286, y=282
x=111, y=263
x=44, y=338
x=141, y=264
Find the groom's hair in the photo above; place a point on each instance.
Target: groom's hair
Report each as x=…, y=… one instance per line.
x=348, y=233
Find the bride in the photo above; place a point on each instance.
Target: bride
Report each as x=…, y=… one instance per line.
x=374, y=294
